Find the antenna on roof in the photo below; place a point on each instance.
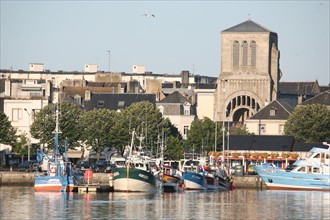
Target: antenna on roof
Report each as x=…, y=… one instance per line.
x=249, y=16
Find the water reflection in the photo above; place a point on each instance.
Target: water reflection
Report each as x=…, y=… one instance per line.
x=24, y=203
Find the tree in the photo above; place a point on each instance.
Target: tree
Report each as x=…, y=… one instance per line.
x=174, y=148
x=309, y=123
x=201, y=135
x=96, y=126
x=147, y=121
x=45, y=122
x=7, y=131
x=21, y=146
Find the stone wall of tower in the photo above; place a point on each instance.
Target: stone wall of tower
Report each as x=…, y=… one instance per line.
x=260, y=82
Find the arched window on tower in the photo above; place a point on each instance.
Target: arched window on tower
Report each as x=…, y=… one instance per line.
x=253, y=53
x=245, y=53
x=236, y=53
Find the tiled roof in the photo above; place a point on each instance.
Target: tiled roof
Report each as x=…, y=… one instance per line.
x=282, y=111
x=116, y=101
x=322, y=98
x=175, y=97
x=324, y=88
x=261, y=142
x=299, y=87
x=248, y=26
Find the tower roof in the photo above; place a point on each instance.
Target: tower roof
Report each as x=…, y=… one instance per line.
x=248, y=26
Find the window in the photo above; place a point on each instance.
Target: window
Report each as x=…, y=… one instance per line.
x=186, y=109
x=316, y=170
x=100, y=103
x=77, y=99
x=245, y=53
x=185, y=131
x=272, y=112
x=301, y=169
x=281, y=129
x=262, y=128
x=121, y=104
x=236, y=53
x=253, y=53
x=16, y=114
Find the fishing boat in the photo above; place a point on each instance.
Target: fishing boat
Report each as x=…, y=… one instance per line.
x=58, y=176
x=171, y=179
x=137, y=175
x=193, y=176
x=312, y=173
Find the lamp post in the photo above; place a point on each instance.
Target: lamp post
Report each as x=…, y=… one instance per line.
x=109, y=61
x=29, y=141
x=223, y=140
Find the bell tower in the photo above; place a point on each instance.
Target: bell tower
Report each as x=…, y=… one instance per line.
x=249, y=74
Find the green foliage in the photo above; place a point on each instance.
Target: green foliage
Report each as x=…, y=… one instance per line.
x=96, y=126
x=201, y=135
x=103, y=128
x=309, y=123
x=21, y=146
x=45, y=122
x=174, y=148
x=7, y=131
x=239, y=131
x=147, y=121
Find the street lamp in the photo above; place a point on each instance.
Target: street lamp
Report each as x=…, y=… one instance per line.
x=109, y=61
x=29, y=141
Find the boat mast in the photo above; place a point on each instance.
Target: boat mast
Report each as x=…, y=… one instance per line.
x=132, y=143
x=56, y=150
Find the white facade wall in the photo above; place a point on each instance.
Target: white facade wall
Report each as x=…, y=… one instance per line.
x=55, y=77
x=139, y=69
x=180, y=121
x=267, y=127
x=205, y=103
x=36, y=67
x=91, y=68
x=14, y=109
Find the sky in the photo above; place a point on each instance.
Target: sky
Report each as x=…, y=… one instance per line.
x=183, y=35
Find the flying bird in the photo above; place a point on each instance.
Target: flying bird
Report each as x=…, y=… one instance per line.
x=148, y=15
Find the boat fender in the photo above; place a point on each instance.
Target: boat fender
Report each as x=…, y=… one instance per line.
x=52, y=170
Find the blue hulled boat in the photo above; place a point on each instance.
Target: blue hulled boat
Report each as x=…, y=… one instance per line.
x=58, y=177
x=313, y=173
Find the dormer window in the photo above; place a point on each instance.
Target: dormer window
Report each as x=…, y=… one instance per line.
x=100, y=103
x=272, y=112
x=186, y=108
x=121, y=104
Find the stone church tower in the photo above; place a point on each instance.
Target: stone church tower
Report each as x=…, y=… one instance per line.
x=250, y=72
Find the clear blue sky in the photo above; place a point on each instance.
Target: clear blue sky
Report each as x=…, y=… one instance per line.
x=183, y=35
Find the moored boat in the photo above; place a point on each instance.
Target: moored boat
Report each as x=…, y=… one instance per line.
x=171, y=179
x=193, y=177
x=312, y=173
x=58, y=176
x=137, y=175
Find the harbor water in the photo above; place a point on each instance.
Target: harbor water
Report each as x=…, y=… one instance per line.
x=24, y=203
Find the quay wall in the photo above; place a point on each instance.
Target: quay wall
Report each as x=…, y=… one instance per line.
x=249, y=182
x=27, y=179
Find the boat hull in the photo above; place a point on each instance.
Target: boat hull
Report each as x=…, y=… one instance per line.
x=277, y=179
x=194, y=181
x=53, y=184
x=133, y=180
x=170, y=183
